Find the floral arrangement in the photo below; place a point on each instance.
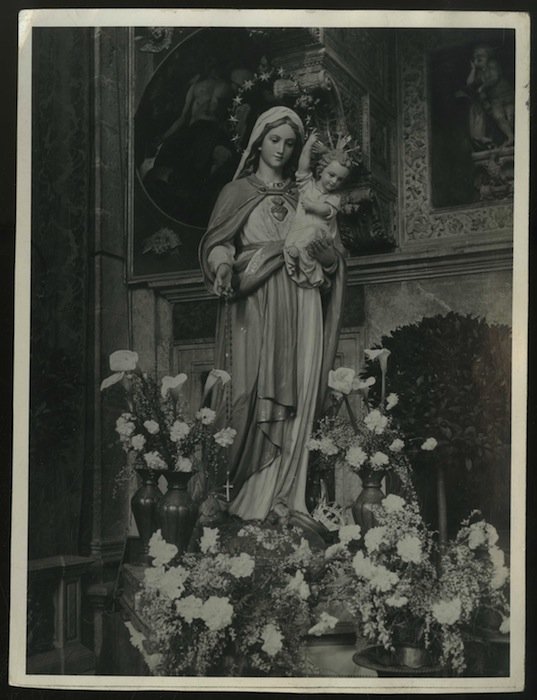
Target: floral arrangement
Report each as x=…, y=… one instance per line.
x=156, y=432
x=214, y=612
x=453, y=375
x=372, y=443
x=401, y=589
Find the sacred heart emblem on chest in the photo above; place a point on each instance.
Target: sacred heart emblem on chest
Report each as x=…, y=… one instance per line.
x=278, y=208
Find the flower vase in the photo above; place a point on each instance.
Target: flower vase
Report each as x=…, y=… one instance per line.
x=177, y=512
x=371, y=495
x=144, y=508
x=411, y=656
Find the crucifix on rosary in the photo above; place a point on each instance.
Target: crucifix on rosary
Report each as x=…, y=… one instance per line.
x=228, y=389
x=227, y=487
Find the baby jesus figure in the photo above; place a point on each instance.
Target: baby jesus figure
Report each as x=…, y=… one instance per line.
x=315, y=225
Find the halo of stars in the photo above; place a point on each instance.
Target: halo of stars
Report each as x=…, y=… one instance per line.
x=304, y=103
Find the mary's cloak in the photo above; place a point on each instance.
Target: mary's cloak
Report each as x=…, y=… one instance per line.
x=265, y=397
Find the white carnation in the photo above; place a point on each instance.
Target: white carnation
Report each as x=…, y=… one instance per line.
x=179, y=431
x=209, y=540
x=492, y=534
x=161, y=551
x=217, y=613
x=393, y=503
x=397, y=445
x=206, y=416
x=172, y=582
x=497, y=556
x=138, y=442
x=125, y=427
x=225, y=437
x=183, y=464
x=313, y=444
x=409, y=549
x=189, y=608
x=154, y=461
x=153, y=576
x=362, y=565
x=299, y=586
x=347, y=533
x=272, y=639
x=383, y=579
x=151, y=426
x=355, y=456
x=477, y=535
x=374, y=537
x=499, y=577
x=376, y=422
x=326, y=622
x=447, y=612
x=379, y=459
x=242, y=566
x=328, y=447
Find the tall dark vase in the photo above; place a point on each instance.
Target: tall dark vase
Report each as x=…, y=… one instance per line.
x=176, y=511
x=371, y=495
x=144, y=508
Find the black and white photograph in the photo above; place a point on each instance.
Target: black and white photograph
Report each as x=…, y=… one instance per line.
x=270, y=378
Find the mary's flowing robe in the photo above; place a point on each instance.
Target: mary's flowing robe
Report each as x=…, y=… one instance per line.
x=283, y=342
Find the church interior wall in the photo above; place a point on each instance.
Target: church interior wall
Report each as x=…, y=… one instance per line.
x=390, y=306
x=84, y=309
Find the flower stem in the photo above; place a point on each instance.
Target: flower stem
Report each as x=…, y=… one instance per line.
x=442, y=505
x=351, y=414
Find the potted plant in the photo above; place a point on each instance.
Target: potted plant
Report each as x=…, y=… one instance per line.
x=452, y=374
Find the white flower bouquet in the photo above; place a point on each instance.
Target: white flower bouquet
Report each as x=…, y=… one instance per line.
x=156, y=432
x=371, y=445
x=402, y=590
x=227, y=610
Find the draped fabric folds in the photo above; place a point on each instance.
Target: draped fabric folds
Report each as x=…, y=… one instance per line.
x=283, y=342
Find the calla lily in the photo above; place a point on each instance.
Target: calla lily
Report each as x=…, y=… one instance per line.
x=391, y=401
x=429, y=444
x=341, y=379
x=112, y=379
x=172, y=383
x=365, y=385
x=380, y=354
x=123, y=361
x=214, y=376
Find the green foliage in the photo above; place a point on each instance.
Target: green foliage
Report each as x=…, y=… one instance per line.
x=452, y=374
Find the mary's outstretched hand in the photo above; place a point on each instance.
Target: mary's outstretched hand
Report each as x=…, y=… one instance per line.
x=222, y=283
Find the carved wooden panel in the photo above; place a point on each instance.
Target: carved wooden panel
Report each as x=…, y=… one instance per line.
x=420, y=222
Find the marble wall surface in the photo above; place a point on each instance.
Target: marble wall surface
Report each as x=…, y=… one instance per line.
x=389, y=306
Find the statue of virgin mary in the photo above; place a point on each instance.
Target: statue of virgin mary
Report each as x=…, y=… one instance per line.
x=276, y=339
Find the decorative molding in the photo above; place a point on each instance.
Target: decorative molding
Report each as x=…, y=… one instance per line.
x=399, y=267
x=419, y=221
x=366, y=53
x=415, y=262
x=108, y=551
